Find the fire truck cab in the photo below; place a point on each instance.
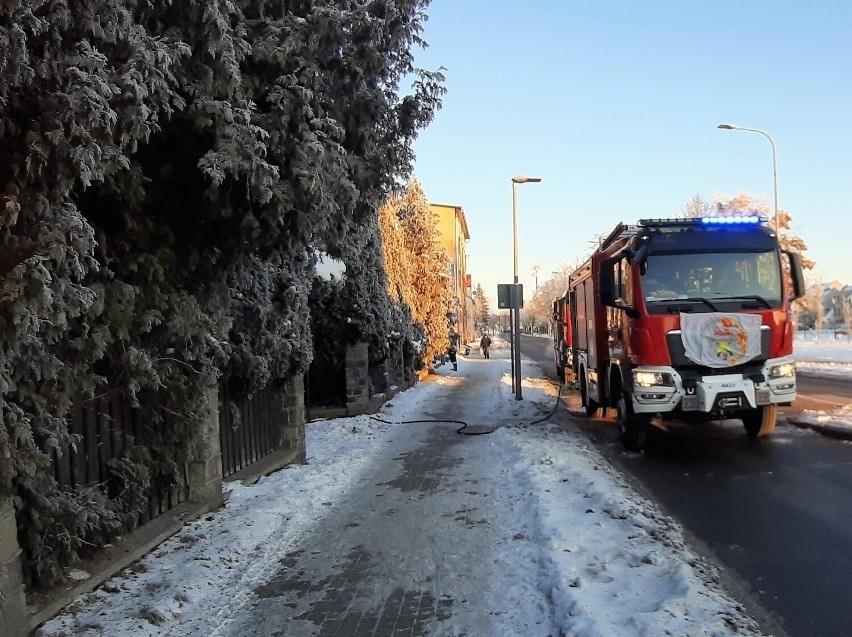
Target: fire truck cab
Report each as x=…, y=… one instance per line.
x=686, y=319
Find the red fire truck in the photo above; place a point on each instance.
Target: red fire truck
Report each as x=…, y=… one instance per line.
x=560, y=321
x=686, y=319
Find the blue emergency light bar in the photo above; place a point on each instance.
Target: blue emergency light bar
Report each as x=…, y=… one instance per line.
x=722, y=221
x=743, y=220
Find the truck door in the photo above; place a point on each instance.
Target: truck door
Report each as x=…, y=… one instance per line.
x=615, y=317
x=585, y=327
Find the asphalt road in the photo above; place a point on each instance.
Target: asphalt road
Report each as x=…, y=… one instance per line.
x=774, y=513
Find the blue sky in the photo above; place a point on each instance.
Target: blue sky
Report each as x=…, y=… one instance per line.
x=615, y=104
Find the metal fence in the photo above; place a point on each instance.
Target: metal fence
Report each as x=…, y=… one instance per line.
x=249, y=426
x=105, y=428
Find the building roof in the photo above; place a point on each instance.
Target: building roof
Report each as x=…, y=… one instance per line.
x=459, y=215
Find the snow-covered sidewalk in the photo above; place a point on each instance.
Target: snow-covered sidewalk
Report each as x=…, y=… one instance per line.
x=526, y=531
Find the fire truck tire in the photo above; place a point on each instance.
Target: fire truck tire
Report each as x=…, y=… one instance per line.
x=760, y=422
x=633, y=426
x=590, y=406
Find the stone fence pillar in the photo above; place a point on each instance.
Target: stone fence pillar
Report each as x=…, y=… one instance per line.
x=204, y=470
x=357, y=379
x=13, y=605
x=293, y=421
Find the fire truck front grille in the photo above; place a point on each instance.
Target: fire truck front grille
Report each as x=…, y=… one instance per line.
x=681, y=363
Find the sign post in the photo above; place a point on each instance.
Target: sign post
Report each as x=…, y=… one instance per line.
x=511, y=297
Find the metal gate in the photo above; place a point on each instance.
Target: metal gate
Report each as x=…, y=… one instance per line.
x=249, y=426
x=105, y=428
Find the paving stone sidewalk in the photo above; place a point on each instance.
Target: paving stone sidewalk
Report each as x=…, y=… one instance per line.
x=325, y=591
x=390, y=559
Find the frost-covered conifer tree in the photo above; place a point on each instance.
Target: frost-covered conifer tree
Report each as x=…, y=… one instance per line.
x=481, y=314
x=327, y=89
x=169, y=171
x=83, y=86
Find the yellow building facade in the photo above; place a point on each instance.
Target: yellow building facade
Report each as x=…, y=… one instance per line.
x=455, y=234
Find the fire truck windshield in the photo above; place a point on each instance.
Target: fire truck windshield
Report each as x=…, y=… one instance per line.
x=718, y=279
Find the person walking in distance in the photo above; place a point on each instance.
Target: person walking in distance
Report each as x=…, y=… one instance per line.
x=453, y=349
x=484, y=344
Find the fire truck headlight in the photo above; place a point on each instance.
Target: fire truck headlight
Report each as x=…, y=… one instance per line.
x=784, y=370
x=650, y=379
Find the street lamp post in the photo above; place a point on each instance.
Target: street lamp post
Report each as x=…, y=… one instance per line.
x=535, y=270
x=774, y=162
x=516, y=312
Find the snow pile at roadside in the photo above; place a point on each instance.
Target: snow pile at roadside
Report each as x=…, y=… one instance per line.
x=613, y=563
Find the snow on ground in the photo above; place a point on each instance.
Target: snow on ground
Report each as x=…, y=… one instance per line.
x=575, y=550
x=827, y=357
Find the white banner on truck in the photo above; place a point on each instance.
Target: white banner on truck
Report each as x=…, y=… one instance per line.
x=719, y=339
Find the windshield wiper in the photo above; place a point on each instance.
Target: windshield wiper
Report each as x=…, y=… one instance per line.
x=701, y=299
x=674, y=306
x=751, y=297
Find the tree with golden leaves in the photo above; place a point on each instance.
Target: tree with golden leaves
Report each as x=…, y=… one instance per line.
x=416, y=265
x=743, y=203
x=810, y=310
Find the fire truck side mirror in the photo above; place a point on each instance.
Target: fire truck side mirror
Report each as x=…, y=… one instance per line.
x=631, y=311
x=796, y=274
x=620, y=304
x=606, y=280
x=640, y=258
x=608, y=292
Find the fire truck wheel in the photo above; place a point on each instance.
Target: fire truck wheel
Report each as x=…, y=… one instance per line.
x=633, y=426
x=590, y=406
x=760, y=422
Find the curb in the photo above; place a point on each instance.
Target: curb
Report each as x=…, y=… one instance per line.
x=831, y=431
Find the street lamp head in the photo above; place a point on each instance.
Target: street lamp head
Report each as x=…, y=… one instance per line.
x=774, y=164
x=526, y=180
